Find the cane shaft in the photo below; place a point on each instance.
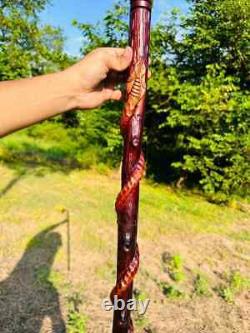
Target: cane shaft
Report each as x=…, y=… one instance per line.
x=133, y=161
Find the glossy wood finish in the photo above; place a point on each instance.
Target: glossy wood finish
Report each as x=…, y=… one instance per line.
x=133, y=161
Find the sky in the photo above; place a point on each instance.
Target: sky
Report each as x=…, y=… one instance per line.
x=62, y=12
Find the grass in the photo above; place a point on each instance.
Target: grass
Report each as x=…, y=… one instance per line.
x=49, y=146
x=201, y=285
x=174, y=267
x=39, y=152
x=242, y=235
x=171, y=291
x=90, y=196
x=77, y=322
x=233, y=285
x=34, y=194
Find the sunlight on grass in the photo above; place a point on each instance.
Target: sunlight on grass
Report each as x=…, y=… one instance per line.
x=91, y=196
x=32, y=201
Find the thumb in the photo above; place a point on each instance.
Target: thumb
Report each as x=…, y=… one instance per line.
x=118, y=59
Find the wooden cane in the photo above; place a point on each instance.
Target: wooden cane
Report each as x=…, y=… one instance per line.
x=133, y=165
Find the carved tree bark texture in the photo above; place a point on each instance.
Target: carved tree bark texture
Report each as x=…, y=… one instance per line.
x=133, y=162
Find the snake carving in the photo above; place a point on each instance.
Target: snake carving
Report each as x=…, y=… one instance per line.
x=133, y=165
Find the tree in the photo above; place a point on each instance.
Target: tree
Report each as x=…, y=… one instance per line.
x=26, y=47
x=199, y=97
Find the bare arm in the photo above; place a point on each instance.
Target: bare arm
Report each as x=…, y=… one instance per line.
x=28, y=101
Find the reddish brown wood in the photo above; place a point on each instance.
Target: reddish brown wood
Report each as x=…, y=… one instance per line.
x=133, y=161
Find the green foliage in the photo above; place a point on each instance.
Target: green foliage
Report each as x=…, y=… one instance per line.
x=171, y=291
x=174, y=267
x=27, y=48
x=140, y=295
x=77, y=322
x=200, y=118
x=50, y=145
x=201, y=285
x=101, y=129
x=243, y=235
x=141, y=321
x=235, y=284
x=212, y=132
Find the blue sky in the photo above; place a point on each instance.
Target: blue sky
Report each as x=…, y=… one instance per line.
x=62, y=12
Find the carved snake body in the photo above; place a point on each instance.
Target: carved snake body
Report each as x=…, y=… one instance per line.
x=136, y=90
x=133, y=166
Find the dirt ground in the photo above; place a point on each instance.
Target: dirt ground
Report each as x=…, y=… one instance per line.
x=43, y=309
x=211, y=314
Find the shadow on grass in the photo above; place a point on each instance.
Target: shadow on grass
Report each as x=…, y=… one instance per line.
x=28, y=156
x=28, y=296
x=11, y=184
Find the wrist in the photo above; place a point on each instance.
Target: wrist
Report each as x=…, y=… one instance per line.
x=69, y=90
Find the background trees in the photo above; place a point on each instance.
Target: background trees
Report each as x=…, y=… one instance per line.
x=203, y=105
x=26, y=47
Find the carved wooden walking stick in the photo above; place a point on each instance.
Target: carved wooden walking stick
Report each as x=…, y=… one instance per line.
x=133, y=162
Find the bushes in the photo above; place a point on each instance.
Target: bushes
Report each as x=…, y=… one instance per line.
x=211, y=122
x=198, y=124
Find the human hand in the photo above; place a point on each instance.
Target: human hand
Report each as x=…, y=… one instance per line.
x=92, y=79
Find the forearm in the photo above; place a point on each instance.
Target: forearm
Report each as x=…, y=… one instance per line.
x=28, y=101
x=85, y=85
